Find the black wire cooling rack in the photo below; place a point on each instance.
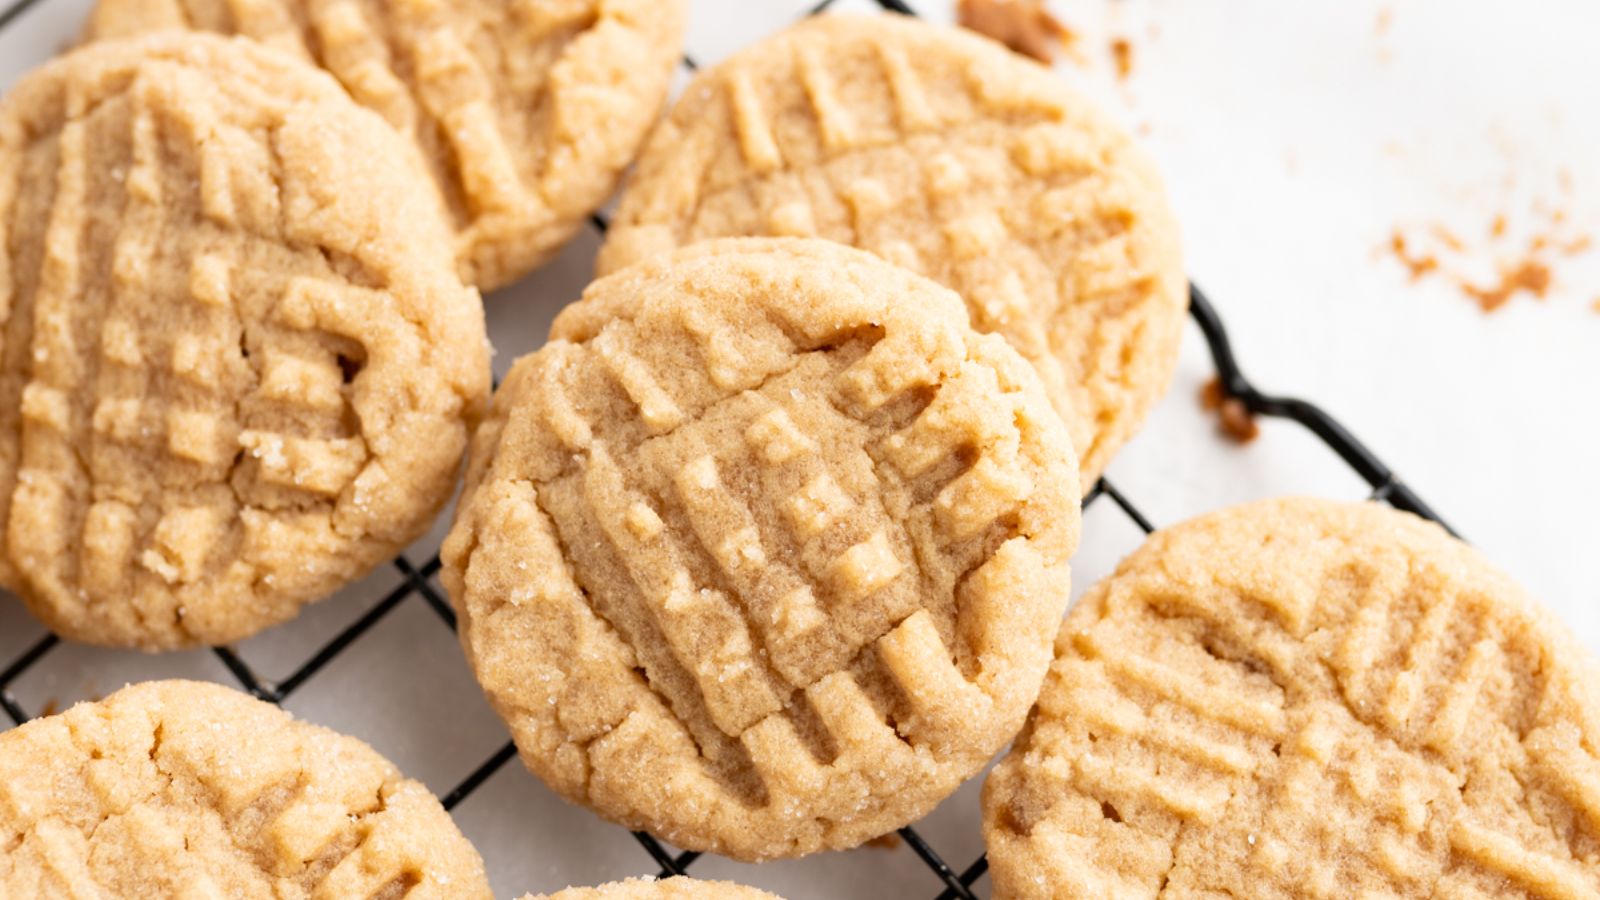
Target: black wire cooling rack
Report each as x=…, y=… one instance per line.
x=415, y=583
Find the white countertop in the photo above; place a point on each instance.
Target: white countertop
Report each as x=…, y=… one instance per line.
x=1295, y=138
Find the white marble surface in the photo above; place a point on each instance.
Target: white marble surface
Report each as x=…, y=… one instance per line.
x=1294, y=138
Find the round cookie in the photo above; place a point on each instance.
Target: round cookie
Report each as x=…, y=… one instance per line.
x=765, y=550
x=1302, y=698
x=946, y=153
x=666, y=889
x=184, y=789
x=237, y=367
x=525, y=113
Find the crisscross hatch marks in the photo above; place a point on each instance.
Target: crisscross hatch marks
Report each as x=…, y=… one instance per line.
x=207, y=358
x=816, y=526
x=190, y=789
x=1304, y=698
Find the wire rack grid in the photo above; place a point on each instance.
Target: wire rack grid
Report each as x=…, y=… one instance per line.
x=416, y=584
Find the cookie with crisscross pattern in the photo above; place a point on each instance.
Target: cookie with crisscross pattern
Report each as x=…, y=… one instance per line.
x=184, y=789
x=1303, y=698
x=237, y=367
x=764, y=551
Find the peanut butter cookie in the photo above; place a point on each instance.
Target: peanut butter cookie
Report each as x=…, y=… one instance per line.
x=524, y=113
x=183, y=789
x=765, y=550
x=652, y=889
x=946, y=153
x=237, y=367
x=1301, y=698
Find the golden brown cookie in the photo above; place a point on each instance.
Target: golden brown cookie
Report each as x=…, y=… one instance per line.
x=945, y=153
x=1302, y=698
x=184, y=789
x=667, y=889
x=525, y=113
x=764, y=551
x=237, y=367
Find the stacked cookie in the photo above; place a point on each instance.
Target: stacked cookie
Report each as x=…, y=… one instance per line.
x=766, y=551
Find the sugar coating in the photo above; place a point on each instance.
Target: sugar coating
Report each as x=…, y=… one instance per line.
x=665, y=889
x=184, y=789
x=237, y=367
x=525, y=113
x=764, y=551
x=1303, y=698
x=945, y=153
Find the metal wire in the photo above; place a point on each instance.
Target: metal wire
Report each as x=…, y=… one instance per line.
x=415, y=580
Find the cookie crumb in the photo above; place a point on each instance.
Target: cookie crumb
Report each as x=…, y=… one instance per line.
x=51, y=707
x=1023, y=25
x=1418, y=266
x=1234, y=419
x=1488, y=272
x=1238, y=422
x=1122, y=55
x=1528, y=275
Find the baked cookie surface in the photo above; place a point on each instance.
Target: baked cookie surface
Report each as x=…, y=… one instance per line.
x=525, y=113
x=184, y=789
x=664, y=889
x=765, y=550
x=1303, y=698
x=945, y=153
x=237, y=368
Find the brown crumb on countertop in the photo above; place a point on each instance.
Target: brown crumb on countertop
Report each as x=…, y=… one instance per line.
x=1418, y=265
x=1234, y=419
x=1122, y=55
x=890, y=841
x=51, y=707
x=1528, y=275
x=1519, y=255
x=1023, y=25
